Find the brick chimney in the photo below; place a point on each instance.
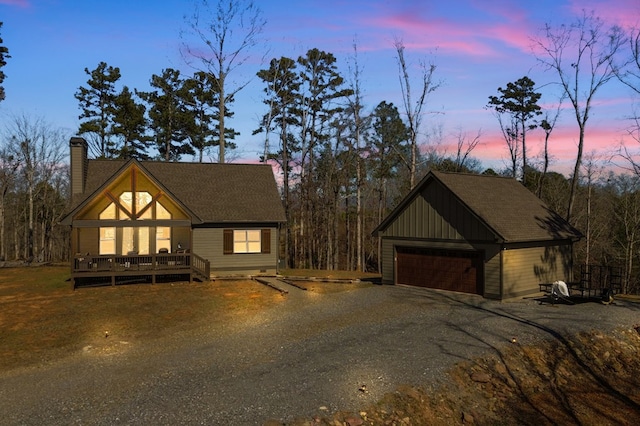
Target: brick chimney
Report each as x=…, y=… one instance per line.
x=78, y=164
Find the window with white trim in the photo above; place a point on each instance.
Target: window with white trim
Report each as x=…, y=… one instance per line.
x=246, y=241
x=238, y=241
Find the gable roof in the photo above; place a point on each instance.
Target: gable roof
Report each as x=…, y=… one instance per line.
x=504, y=205
x=212, y=192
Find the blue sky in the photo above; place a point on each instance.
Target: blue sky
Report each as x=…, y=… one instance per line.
x=477, y=45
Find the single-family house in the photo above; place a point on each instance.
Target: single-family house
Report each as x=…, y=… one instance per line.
x=131, y=219
x=479, y=234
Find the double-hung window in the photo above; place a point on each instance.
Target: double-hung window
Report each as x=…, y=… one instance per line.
x=238, y=241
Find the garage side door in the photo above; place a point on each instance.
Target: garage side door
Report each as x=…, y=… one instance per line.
x=446, y=270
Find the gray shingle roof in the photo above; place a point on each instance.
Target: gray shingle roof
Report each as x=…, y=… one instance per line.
x=513, y=212
x=215, y=193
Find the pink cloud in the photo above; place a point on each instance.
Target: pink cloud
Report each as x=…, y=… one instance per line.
x=619, y=12
x=605, y=140
x=481, y=38
x=446, y=36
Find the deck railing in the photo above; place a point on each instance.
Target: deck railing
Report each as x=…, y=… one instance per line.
x=138, y=265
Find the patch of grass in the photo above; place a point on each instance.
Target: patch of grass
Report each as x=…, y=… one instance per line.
x=42, y=317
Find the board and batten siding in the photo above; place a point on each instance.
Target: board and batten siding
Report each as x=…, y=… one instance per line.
x=436, y=213
x=88, y=241
x=525, y=268
x=209, y=244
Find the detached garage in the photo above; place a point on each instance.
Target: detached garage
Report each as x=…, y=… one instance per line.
x=476, y=234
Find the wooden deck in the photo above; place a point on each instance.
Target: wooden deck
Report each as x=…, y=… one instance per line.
x=117, y=267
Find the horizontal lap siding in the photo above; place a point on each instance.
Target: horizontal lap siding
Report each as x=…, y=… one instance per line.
x=208, y=243
x=525, y=268
x=492, y=274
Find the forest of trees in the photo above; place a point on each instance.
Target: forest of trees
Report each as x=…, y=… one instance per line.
x=341, y=165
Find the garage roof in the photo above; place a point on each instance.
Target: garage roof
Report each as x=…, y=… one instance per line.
x=504, y=205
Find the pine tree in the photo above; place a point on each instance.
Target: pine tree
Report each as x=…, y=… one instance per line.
x=519, y=101
x=282, y=97
x=4, y=54
x=201, y=101
x=223, y=35
x=97, y=106
x=130, y=125
x=168, y=115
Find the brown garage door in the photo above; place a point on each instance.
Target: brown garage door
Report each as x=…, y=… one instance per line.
x=443, y=269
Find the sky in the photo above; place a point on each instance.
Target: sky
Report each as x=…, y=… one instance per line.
x=476, y=45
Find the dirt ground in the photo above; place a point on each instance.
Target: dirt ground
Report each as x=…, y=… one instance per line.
x=588, y=379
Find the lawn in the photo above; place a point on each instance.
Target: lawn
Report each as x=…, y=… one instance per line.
x=42, y=318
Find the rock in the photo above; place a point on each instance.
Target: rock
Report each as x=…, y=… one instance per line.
x=480, y=377
x=354, y=421
x=467, y=418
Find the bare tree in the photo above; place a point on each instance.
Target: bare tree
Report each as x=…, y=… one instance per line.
x=355, y=107
x=628, y=71
x=592, y=170
x=626, y=217
x=38, y=148
x=547, y=124
x=8, y=167
x=412, y=108
x=511, y=136
x=465, y=145
x=225, y=33
x=581, y=55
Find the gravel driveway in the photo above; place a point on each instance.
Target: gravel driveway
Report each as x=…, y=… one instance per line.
x=310, y=355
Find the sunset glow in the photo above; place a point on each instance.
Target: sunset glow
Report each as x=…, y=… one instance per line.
x=476, y=45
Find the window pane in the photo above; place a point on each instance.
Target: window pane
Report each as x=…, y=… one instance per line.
x=163, y=232
x=123, y=215
x=246, y=241
x=126, y=200
x=163, y=238
x=107, y=240
x=143, y=240
x=253, y=235
x=109, y=212
x=148, y=214
x=142, y=199
x=127, y=240
x=161, y=212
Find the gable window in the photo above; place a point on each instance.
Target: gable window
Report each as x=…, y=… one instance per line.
x=246, y=241
x=134, y=239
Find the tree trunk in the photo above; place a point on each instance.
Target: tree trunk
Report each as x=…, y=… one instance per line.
x=576, y=174
x=221, y=116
